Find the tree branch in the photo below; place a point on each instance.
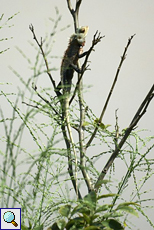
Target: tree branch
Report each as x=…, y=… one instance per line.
x=66, y=139
x=96, y=39
x=79, y=87
x=70, y=166
x=140, y=112
x=110, y=93
x=40, y=45
x=75, y=12
x=78, y=2
x=45, y=100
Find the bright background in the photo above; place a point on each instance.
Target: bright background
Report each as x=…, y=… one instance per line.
x=117, y=20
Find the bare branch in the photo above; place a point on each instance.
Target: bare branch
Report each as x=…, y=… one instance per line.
x=45, y=100
x=111, y=91
x=116, y=129
x=70, y=165
x=77, y=6
x=74, y=12
x=69, y=5
x=86, y=177
x=82, y=146
x=96, y=39
x=40, y=44
x=141, y=111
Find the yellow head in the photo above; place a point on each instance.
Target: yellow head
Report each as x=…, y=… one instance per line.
x=81, y=34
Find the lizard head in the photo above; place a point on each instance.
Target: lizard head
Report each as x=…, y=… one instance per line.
x=80, y=35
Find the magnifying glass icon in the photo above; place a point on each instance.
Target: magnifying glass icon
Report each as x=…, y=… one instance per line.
x=9, y=217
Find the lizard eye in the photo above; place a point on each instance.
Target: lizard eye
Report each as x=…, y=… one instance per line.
x=82, y=30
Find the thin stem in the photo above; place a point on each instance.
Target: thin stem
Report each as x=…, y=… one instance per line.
x=40, y=44
x=81, y=139
x=70, y=166
x=140, y=112
x=96, y=39
x=110, y=93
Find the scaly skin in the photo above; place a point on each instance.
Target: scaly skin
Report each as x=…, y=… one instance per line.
x=68, y=66
x=71, y=56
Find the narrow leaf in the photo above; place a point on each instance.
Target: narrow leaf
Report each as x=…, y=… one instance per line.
x=23, y=227
x=107, y=195
x=39, y=227
x=127, y=204
x=65, y=210
x=91, y=197
x=92, y=228
x=103, y=208
x=114, y=224
x=128, y=209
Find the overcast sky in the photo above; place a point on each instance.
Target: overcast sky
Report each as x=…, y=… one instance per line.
x=117, y=20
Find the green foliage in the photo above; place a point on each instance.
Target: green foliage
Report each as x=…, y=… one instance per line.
x=88, y=214
x=39, y=182
x=32, y=163
x=2, y=26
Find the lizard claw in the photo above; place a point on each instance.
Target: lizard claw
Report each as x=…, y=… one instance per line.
x=97, y=38
x=85, y=68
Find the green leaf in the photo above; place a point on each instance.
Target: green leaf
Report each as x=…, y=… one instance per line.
x=85, y=123
x=91, y=199
x=128, y=209
x=100, y=124
x=106, y=126
x=100, y=182
x=61, y=224
x=112, y=214
x=106, y=196
x=113, y=224
x=86, y=218
x=39, y=227
x=77, y=222
x=65, y=210
x=94, y=217
x=81, y=208
x=103, y=208
x=127, y=204
x=23, y=227
x=54, y=227
x=92, y=228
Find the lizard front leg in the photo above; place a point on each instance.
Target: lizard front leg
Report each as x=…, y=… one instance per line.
x=79, y=70
x=76, y=68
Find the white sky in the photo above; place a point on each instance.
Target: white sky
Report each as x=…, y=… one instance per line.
x=117, y=20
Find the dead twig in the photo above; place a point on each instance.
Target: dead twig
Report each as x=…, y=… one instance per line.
x=140, y=112
x=45, y=100
x=75, y=12
x=110, y=93
x=40, y=45
x=96, y=39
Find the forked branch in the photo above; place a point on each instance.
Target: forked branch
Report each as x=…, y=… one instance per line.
x=96, y=39
x=110, y=93
x=40, y=45
x=140, y=112
x=75, y=12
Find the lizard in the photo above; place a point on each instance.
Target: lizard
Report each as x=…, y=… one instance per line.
x=68, y=66
x=70, y=59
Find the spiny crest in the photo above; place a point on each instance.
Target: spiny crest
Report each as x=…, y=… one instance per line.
x=80, y=35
